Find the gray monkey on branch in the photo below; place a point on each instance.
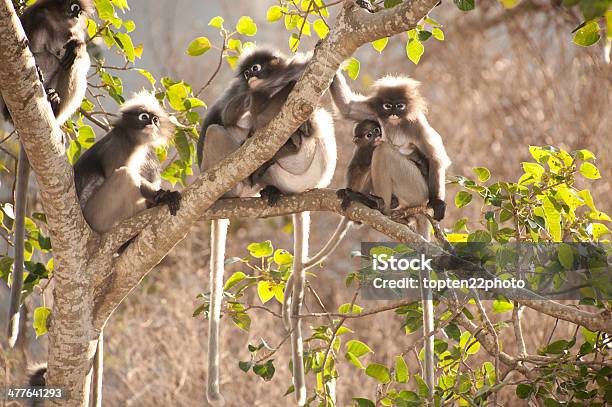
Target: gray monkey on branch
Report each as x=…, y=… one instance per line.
x=410, y=163
x=55, y=31
x=307, y=160
x=120, y=176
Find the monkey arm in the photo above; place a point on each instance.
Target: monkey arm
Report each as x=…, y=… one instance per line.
x=351, y=106
x=430, y=143
x=234, y=110
x=264, y=108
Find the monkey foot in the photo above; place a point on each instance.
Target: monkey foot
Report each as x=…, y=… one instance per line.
x=349, y=196
x=271, y=194
x=54, y=99
x=439, y=208
x=170, y=198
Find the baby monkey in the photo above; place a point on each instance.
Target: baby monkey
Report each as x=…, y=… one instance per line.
x=367, y=135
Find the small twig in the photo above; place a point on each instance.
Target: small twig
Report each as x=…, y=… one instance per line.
x=273, y=351
x=216, y=72
x=95, y=121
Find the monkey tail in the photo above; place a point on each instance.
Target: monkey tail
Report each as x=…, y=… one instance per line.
x=98, y=372
x=301, y=229
x=331, y=245
x=21, y=195
x=423, y=228
x=218, y=235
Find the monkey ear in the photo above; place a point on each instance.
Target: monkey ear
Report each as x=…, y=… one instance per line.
x=275, y=61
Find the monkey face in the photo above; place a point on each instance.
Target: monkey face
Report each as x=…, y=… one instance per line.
x=259, y=66
x=367, y=133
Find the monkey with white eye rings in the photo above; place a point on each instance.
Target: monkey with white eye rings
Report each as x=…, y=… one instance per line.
x=397, y=105
x=56, y=34
x=306, y=161
x=411, y=163
x=119, y=176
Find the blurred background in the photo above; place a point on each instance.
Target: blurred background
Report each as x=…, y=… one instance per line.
x=500, y=81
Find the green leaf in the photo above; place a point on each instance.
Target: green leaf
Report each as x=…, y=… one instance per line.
x=274, y=13
x=125, y=42
x=216, y=22
x=424, y=35
x=483, y=173
x=553, y=219
x=347, y=309
x=566, y=256
x=246, y=26
x=245, y=366
x=474, y=345
x=593, y=8
x=401, y=370
x=321, y=28
x=462, y=199
x=523, y=391
x=558, y=347
x=265, y=290
x=259, y=250
x=599, y=230
x=294, y=42
x=177, y=94
x=357, y=348
x=354, y=360
x=378, y=372
x=359, y=401
x=105, y=9
x=283, y=257
x=198, y=46
x=423, y=388
x=265, y=371
x=465, y=5
x=536, y=170
x=500, y=306
x=380, y=44
x=589, y=171
x=351, y=67
x=453, y=332
x=392, y=3
x=41, y=314
x=509, y=3
x=242, y=321
x=86, y=137
x=587, y=35
x=147, y=75
x=438, y=34
x=234, y=279
x=414, y=50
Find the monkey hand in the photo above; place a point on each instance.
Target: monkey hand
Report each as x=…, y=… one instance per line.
x=70, y=54
x=170, y=198
x=439, y=208
x=54, y=99
x=271, y=194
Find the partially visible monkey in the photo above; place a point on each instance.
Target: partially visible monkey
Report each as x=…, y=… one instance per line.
x=410, y=146
x=55, y=31
x=306, y=161
x=119, y=176
x=397, y=105
x=259, y=69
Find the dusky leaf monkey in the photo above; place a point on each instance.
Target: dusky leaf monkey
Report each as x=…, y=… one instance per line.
x=395, y=102
x=119, y=176
x=55, y=31
x=411, y=162
x=306, y=161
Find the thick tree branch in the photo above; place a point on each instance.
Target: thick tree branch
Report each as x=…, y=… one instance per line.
x=71, y=333
x=326, y=200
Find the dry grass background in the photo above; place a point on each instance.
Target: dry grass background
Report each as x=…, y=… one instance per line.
x=501, y=80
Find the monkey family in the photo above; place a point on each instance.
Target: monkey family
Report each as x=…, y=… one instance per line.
x=399, y=160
